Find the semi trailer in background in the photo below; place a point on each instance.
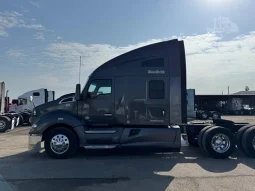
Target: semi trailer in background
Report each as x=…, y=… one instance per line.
x=194, y=112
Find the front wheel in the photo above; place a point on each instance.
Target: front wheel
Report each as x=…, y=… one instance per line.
x=219, y=142
x=60, y=143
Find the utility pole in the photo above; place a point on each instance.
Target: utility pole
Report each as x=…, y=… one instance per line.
x=80, y=71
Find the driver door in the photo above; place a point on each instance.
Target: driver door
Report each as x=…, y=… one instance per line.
x=100, y=100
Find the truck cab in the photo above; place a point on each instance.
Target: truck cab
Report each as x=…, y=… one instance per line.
x=137, y=99
x=40, y=96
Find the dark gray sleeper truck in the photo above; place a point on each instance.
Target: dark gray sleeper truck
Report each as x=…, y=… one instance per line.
x=136, y=100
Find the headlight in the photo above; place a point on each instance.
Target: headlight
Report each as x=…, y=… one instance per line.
x=33, y=129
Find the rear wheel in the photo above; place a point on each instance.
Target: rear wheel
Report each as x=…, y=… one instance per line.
x=204, y=115
x=248, y=141
x=60, y=143
x=216, y=115
x=200, y=136
x=239, y=137
x=219, y=142
x=5, y=123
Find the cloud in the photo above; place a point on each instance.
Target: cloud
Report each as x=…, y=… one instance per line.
x=212, y=62
x=59, y=38
x=23, y=9
x=3, y=32
x=39, y=36
x=36, y=4
x=13, y=19
x=48, y=80
x=14, y=53
x=222, y=25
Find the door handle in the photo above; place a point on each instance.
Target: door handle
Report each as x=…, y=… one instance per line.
x=108, y=114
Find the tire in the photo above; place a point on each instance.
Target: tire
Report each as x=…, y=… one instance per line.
x=200, y=136
x=21, y=119
x=71, y=137
x=208, y=137
x=247, y=141
x=26, y=117
x=5, y=123
x=204, y=115
x=239, y=137
x=30, y=120
x=216, y=115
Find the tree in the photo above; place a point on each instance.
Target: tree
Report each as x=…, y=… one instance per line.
x=247, y=88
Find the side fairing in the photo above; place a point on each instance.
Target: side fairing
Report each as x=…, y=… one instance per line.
x=151, y=137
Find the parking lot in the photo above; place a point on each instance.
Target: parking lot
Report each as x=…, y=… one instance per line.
x=23, y=170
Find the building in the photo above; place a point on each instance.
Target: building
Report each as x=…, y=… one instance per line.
x=226, y=103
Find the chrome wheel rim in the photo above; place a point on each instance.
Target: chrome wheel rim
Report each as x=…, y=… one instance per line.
x=215, y=116
x=204, y=115
x=220, y=143
x=59, y=144
x=2, y=124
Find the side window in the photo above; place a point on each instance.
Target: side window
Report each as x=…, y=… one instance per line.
x=156, y=89
x=22, y=101
x=36, y=94
x=100, y=87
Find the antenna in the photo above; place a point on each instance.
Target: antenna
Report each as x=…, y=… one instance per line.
x=80, y=71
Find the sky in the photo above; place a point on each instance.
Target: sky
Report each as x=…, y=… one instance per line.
x=41, y=41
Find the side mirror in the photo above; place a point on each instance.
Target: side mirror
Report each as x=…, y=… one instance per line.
x=31, y=98
x=78, y=92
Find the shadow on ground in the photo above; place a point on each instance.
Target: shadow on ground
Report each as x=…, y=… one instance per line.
x=110, y=170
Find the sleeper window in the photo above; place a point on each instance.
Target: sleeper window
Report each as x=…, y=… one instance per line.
x=36, y=94
x=156, y=89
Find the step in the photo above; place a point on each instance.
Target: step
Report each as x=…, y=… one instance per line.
x=100, y=146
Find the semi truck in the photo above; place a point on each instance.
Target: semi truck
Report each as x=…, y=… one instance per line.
x=23, y=104
x=24, y=107
x=135, y=100
x=7, y=120
x=20, y=110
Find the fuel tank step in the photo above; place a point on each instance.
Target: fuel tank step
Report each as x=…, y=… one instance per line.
x=100, y=146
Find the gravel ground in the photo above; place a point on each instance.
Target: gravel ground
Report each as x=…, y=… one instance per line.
x=22, y=170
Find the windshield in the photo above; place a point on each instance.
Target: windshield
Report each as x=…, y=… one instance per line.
x=22, y=101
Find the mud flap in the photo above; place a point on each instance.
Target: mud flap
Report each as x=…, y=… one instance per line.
x=12, y=124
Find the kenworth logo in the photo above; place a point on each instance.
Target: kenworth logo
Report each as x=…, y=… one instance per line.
x=156, y=71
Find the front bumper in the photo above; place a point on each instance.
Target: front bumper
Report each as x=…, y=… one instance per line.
x=34, y=142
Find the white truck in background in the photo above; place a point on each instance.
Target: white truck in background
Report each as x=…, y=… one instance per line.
x=40, y=96
x=20, y=110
